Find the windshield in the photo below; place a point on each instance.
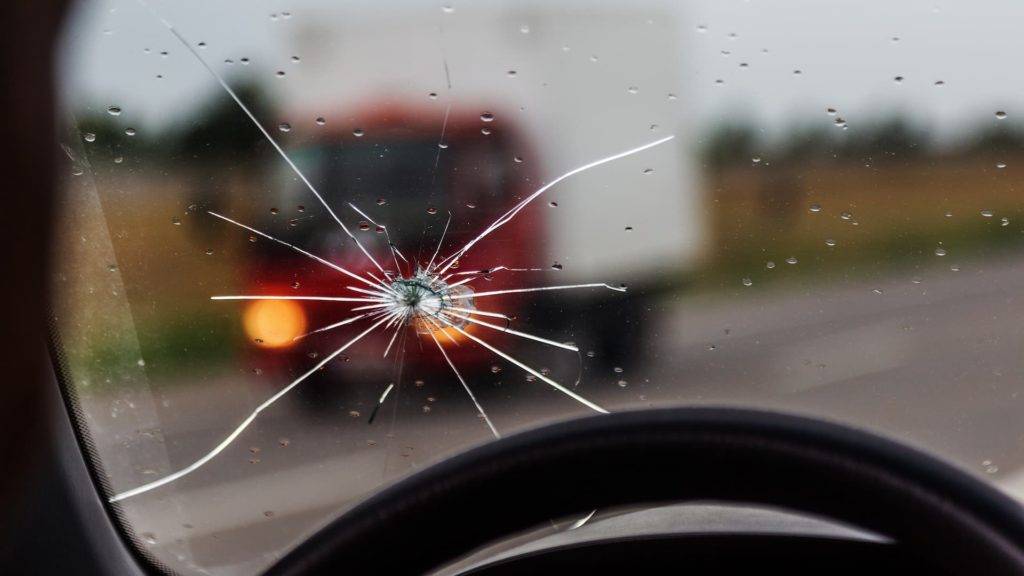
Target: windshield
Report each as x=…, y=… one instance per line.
x=307, y=249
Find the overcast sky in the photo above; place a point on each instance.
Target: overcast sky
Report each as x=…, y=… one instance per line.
x=845, y=50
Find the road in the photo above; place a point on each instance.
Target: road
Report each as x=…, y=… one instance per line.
x=933, y=357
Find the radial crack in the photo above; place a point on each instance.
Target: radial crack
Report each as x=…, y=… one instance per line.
x=501, y=221
x=294, y=247
x=241, y=427
x=547, y=380
x=535, y=289
x=479, y=408
x=514, y=332
x=223, y=83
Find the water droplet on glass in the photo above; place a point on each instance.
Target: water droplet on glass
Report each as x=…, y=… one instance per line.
x=672, y=96
x=432, y=95
x=791, y=260
x=898, y=79
x=284, y=127
x=354, y=413
x=201, y=45
x=244, y=61
x=648, y=171
x=447, y=9
x=114, y=110
x=495, y=369
x=622, y=383
x=815, y=208
x=940, y=251
x=553, y=204
x=296, y=59
x=320, y=121
x=129, y=131
x=556, y=266
x=830, y=242
x=1004, y=221
x=617, y=370
x=632, y=89
x=846, y=216
x=756, y=159
x=769, y=265
x=517, y=159
x=1000, y=114
x=89, y=137
x=487, y=117
x=176, y=221
x=280, y=74
x=940, y=83
x=987, y=213
x=118, y=159
x=1001, y=165
x=431, y=210
x=748, y=282
x=525, y=29
x=358, y=132
x=830, y=111
x=511, y=73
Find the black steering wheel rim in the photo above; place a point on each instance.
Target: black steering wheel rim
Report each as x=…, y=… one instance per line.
x=672, y=455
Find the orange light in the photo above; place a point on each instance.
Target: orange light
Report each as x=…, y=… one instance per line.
x=274, y=323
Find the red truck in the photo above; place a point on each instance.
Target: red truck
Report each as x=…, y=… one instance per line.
x=406, y=172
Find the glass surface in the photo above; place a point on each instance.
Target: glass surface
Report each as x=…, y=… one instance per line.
x=812, y=207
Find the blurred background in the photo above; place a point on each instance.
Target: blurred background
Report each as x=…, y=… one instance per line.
x=835, y=229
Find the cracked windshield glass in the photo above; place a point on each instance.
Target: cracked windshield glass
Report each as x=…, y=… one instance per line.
x=309, y=248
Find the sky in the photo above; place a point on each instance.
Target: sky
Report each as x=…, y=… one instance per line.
x=848, y=53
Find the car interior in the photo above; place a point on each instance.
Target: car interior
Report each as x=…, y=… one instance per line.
x=450, y=288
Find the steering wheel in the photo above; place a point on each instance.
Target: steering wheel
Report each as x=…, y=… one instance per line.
x=928, y=508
